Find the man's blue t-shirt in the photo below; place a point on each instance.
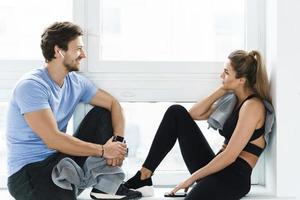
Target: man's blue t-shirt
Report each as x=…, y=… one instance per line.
x=36, y=91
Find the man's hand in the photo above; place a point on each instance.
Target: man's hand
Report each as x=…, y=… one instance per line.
x=114, y=150
x=114, y=162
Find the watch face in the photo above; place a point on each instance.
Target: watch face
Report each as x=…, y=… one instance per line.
x=118, y=138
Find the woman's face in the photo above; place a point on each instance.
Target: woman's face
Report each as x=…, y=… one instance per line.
x=230, y=82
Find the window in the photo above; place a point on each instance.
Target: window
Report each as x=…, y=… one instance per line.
x=170, y=30
x=132, y=32
x=173, y=32
x=20, y=32
x=3, y=154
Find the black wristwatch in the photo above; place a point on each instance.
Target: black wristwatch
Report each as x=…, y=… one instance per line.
x=118, y=138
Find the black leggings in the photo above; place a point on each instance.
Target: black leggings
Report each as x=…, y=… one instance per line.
x=34, y=182
x=233, y=182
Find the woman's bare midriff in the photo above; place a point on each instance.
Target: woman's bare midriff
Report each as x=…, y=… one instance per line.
x=250, y=158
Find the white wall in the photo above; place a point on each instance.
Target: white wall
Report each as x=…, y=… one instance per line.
x=283, y=53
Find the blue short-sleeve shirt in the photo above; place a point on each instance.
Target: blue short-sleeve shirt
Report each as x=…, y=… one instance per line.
x=36, y=91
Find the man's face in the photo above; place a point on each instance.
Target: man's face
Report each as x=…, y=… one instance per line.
x=74, y=54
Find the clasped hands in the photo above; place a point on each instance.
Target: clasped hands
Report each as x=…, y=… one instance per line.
x=114, y=152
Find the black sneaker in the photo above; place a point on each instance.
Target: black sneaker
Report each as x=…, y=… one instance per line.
x=122, y=193
x=144, y=186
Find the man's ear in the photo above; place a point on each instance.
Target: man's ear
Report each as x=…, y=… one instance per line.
x=58, y=52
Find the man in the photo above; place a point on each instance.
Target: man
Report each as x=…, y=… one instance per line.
x=41, y=105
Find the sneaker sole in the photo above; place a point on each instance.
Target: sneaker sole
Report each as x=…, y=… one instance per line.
x=99, y=196
x=147, y=191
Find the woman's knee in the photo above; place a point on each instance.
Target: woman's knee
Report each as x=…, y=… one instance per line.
x=176, y=109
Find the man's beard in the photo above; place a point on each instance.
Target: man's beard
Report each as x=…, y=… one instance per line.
x=71, y=66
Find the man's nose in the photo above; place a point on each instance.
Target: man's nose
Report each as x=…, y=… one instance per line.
x=82, y=54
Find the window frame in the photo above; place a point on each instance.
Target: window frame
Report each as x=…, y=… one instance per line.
x=254, y=39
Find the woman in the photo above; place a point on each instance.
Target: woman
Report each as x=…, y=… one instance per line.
x=226, y=175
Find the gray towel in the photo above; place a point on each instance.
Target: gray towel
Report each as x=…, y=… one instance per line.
x=225, y=107
x=95, y=173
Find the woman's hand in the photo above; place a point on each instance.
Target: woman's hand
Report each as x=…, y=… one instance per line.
x=222, y=90
x=203, y=108
x=114, y=150
x=183, y=185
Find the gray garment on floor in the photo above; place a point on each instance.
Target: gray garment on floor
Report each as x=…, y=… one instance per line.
x=95, y=173
x=225, y=107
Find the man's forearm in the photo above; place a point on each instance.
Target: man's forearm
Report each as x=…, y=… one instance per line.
x=118, y=120
x=73, y=146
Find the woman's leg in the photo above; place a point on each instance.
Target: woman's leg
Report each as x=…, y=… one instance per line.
x=231, y=183
x=210, y=187
x=224, y=185
x=177, y=123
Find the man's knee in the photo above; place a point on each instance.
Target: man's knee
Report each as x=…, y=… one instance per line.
x=102, y=111
x=100, y=115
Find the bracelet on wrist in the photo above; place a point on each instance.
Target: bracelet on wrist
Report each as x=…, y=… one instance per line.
x=102, y=151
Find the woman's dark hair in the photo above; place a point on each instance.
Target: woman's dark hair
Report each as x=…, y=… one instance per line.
x=60, y=34
x=251, y=66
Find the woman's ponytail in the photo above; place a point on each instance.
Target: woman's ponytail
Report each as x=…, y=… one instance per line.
x=262, y=83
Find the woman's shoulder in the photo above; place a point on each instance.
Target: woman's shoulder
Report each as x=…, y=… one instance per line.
x=254, y=105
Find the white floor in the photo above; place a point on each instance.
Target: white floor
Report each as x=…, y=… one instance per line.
x=4, y=195
x=157, y=196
